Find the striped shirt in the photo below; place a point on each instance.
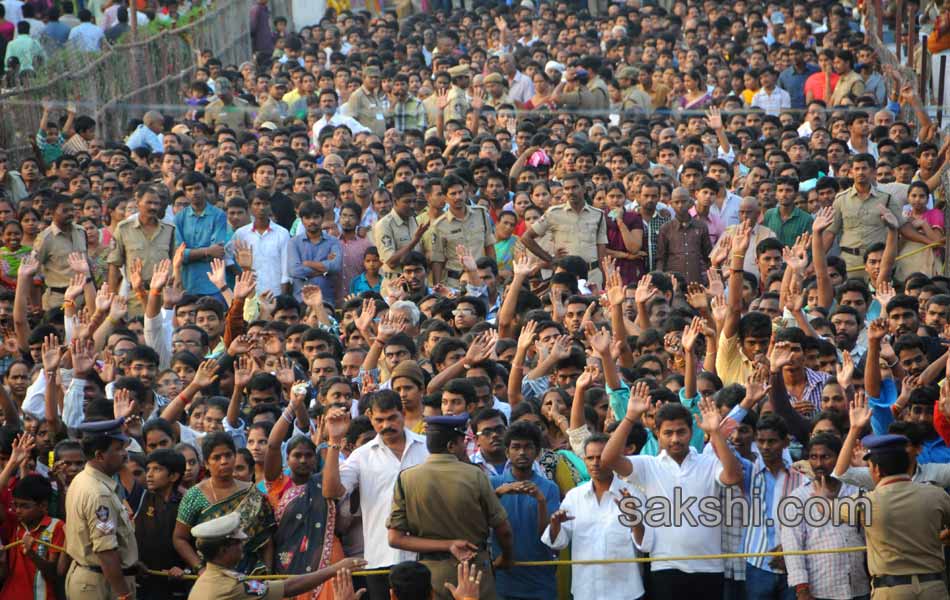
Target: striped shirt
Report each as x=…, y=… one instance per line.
x=833, y=576
x=761, y=486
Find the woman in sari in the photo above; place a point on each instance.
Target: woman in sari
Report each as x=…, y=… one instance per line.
x=306, y=538
x=219, y=495
x=695, y=96
x=624, y=234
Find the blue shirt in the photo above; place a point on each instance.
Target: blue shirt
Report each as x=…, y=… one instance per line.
x=522, y=509
x=57, y=31
x=302, y=249
x=360, y=285
x=793, y=82
x=200, y=231
x=143, y=137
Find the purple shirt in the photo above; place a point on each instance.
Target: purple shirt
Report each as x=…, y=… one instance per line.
x=262, y=38
x=353, y=251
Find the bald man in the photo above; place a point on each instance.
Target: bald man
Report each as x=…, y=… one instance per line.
x=749, y=210
x=149, y=133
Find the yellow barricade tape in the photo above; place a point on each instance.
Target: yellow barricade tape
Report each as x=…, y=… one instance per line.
x=543, y=563
x=903, y=256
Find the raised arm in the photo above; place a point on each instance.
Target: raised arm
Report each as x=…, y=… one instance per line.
x=740, y=245
x=637, y=404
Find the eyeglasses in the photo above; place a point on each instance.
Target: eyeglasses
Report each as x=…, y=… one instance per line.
x=500, y=430
x=463, y=312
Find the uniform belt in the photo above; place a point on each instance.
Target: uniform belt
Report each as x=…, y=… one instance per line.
x=127, y=572
x=57, y=290
x=444, y=555
x=854, y=251
x=453, y=274
x=894, y=580
x=593, y=265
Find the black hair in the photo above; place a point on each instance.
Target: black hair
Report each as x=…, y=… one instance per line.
x=524, y=431
x=215, y=439
x=159, y=424
x=384, y=400
x=171, y=460
x=775, y=423
x=672, y=411
x=410, y=580
x=33, y=487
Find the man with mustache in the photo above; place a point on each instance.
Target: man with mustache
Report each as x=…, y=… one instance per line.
x=825, y=575
x=373, y=469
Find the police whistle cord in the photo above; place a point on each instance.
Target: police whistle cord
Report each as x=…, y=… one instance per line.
x=902, y=256
x=539, y=563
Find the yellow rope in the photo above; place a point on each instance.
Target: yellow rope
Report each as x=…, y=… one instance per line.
x=542, y=563
x=902, y=256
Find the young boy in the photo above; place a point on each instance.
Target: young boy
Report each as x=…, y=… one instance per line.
x=30, y=568
x=370, y=279
x=155, y=522
x=68, y=461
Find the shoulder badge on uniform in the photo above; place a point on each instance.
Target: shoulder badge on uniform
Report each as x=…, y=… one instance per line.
x=102, y=513
x=255, y=588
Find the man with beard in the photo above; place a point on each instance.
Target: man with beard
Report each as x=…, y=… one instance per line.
x=313, y=255
x=828, y=575
x=848, y=323
x=663, y=475
x=329, y=104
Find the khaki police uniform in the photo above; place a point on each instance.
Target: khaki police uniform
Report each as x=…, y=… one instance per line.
x=474, y=231
x=236, y=115
x=858, y=220
x=218, y=583
x=635, y=99
x=131, y=241
x=446, y=499
x=458, y=105
x=369, y=109
x=905, y=554
x=52, y=248
x=577, y=234
x=392, y=233
x=96, y=521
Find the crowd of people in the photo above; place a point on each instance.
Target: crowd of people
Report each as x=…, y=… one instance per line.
x=445, y=293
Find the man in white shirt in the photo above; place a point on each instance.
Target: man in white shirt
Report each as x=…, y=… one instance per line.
x=86, y=37
x=268, y=242
x=590, y=520
x=683, y=478
x=329, y=104
x=770, y=98
x=373, y=469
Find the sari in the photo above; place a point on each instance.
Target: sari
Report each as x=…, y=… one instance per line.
x=305, y=540
x=257, y=521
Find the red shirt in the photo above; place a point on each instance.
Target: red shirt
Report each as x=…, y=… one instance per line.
x=23, y=578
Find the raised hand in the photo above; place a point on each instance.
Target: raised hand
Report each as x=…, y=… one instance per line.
x=104, y=299
x=522, y=266
x=285, y=371
x=243, y=255
x=714, y=118
x=206, y=374
x=599, y=339
x=692, y=333
x=119, y=308
x=757, y=386
x=823, y=219
x=244, y=285
x=123, y=405
x=337, y=422
x=860, y=412
x=562, y=347
x=78, y=263
x=639, y=401
x=343, y=586
x=465, y=257
x=710, y=416
x=23, y=446
x=526, y=338
x=312, y=296
x=696, y=296
x=51, y=353
x=83, y=355
x=781, y=356
x=740, y=240
x=716, y=287
x=243, y=371
x=217, y=274
x=884, y=293
x=366, y=316
x=844, y=372
x=29, y=265
x=587, y=378
x=720, y=310
x=179, y=258
x=645, y=290
x=135, y=274
x=877, y=329
x=470, y=580
x=76, y=285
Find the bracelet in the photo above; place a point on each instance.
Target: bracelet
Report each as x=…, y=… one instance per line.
x=286, y=417
x=69, y=303
x=223, y=288
x=155, y=292
x=335, y=446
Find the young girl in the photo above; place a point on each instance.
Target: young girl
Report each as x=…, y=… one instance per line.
x=31, y=224
x=369, y=280
x=929, y=225
x=11, y=253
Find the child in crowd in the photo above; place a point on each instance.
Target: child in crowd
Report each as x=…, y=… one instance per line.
x=11, y=253
x=155, y=522
x=29, y=569
x=370, y=279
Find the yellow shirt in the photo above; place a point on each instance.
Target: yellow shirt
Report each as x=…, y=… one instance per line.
x=732, y=365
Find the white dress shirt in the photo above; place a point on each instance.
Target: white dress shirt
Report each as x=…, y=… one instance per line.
x=697, y=477
x=595, y=533
x=373, y=468
x=521, y=88
x=338, y=119
x=86, y=37
x=270, y=254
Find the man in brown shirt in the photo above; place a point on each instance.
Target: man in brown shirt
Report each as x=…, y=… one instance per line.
x=683, y=245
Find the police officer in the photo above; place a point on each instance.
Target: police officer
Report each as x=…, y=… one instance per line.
x=220, y=542
x=445, y=509
x=903, y=525
x=462, y=224
x=99, y=535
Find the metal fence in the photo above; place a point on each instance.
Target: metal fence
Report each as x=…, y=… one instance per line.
x=114, y=86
